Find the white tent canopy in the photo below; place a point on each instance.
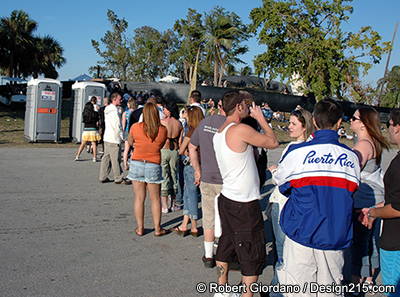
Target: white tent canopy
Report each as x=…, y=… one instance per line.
x=170, y=79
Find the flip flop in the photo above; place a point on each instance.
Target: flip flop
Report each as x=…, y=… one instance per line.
x=162, y=232
x=139, y=232
x=180, y=232
x=195, y=234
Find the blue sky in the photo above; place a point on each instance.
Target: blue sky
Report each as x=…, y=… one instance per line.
x=74, y=23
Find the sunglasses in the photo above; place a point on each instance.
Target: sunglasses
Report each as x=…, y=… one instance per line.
x=353, y=118
x=297, y=113
x=388, y=124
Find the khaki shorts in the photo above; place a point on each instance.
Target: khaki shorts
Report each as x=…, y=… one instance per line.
x=208, y=193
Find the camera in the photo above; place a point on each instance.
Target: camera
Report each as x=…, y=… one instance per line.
x=186, y=160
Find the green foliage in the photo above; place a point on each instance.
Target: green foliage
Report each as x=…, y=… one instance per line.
x=145, y=56
x=304, y=37
x=22, y=53
x=218, y=34
x=116, y=56
x=391, y=87
x=150, y=52
x=224, y=33
x=190, y=32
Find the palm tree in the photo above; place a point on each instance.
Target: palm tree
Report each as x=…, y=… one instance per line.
x=16, y=35
x=22, y=54
x=48, y=57
x=224, y=33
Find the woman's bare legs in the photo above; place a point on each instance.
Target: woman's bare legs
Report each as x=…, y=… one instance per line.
x=154, y=193
x=185, y=222
x=193, y=226
x=139, y=191
x=80, y=149
x=94, y=145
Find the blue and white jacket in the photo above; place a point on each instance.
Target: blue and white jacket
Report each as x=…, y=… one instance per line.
x=319, y=178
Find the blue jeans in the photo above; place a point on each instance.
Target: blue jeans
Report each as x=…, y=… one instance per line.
x=279, y=241
x=365, y=253
x=190, y=194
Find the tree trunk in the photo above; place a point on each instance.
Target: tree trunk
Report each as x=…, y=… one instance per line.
x=216, y=71
x=185, y=73
x=190, y=73
x=193, y=80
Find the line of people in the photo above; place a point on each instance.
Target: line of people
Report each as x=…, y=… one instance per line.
x=325, y=208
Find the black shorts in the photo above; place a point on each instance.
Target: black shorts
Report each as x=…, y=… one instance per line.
x=242, y=236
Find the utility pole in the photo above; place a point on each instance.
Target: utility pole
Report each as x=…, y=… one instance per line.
x=387, y=63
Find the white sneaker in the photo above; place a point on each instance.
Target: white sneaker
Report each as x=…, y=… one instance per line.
x=227, y=295
x=222, y=295
x=94, y=160
x=77, y=159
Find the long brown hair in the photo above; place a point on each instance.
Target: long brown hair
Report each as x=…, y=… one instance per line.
x=195, y=115
x=305, y=118
x=370, y=118
x=151, y=120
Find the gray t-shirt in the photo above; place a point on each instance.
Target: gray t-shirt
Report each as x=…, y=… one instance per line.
x=202, y=137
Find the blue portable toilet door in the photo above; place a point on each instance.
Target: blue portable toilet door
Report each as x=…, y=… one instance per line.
x=47, y=111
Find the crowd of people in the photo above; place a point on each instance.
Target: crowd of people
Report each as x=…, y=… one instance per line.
x=331, y=207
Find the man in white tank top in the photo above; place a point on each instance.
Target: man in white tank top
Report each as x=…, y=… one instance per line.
x=242, y=224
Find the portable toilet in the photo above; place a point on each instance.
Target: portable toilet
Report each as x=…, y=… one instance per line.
x=43, y=110
x=83, y=92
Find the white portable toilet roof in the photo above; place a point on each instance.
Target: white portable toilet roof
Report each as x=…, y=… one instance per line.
x=37, y=81
x=84, y=84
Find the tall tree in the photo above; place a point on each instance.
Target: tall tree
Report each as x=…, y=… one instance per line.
x=224, y=33
x=48, y=56
x=305, y=37
x=114, y=49
x=17, y=35
x=191, y=33
x=150, y=52
x=22, y=53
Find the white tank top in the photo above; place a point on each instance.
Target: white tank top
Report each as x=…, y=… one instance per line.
x=238, y=170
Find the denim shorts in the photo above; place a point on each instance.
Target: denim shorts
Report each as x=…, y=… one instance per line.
x=145, y=172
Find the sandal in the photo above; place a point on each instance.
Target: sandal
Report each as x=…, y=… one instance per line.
x=139, y=232
x=180, y=232
x=195, y=234
x=162, y=232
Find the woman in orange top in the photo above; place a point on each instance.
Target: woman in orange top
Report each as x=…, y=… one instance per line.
x=147, y=137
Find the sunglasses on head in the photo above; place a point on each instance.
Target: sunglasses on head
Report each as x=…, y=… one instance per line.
x=297, y=113
x=353, y=118
x=388, y=124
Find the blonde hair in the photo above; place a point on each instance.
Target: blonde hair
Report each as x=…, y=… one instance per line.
x=131, y=103
x=151, y=120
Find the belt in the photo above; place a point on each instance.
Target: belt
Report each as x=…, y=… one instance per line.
x=145, y=161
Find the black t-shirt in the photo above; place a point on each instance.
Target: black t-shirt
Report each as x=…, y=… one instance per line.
x=390, y=238
x=102, y=122
x=135, y=116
